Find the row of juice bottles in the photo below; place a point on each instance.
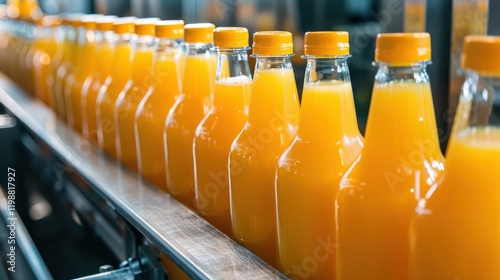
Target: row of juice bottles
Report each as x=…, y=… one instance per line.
x=295, y=184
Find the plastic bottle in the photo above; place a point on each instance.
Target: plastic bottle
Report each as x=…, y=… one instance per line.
x=219, y=128
x=399, y=162
x=191, y=106
x=154, y=107
x=454, y=233
x=273, y=117
x=121, y=71
x=309, y=171
x=137, y=87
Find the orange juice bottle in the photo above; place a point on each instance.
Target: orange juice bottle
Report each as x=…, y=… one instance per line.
x=121, y=69
x=224, y=121
x=454, y=232
x=139, y=83
x=74, y=64
x=83, y=69
x=273, y=117
x=188, y=110
x=57, y=61
x=309, y=171
x=153, y=109
x=399, y=162
x=46, y=49
x=62, y=70
x=104, y=40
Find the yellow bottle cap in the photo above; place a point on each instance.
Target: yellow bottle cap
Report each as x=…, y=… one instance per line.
x=403, y=48
x=272, y=43
x=145, y=26
x=482, y=54
x=170, y=29
x=124, y=25
x=199, y=33
x=231, y=37
x=326, y=43
x=105, y=23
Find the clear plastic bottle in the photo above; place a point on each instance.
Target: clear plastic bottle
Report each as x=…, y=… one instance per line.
x=105, y=39
x=83, y=68
x=400, y=160
x=46, y=47
x=273, y=117
x=154, y=107
x=137, y=87
x=454, y=233
x=65, y=65
x=121, y=71
x=219, y=128
x=309, y=171
x=191, y=106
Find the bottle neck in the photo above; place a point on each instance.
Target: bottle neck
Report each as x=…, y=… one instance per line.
x=401, y=119
x=387, y=73
x=69, y=38
x=82, y=35
x=167, y=44
x=479, y=105
x=122, y=61
x=233, y=80
x=196, y=49
x=232, y=63
x=142, y=64
x=200, y=65
x=274, y=94
x=104, y=48
x=273, y=62
x=166, y=71
x=327, y=99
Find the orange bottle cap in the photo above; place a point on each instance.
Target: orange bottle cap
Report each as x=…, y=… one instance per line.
x=482, y=54
x=145, y=26
x=231, y=37
x=75, y=22
x=272, y=43
x=326, y=43
x=124, y=25
x=105, y=23
x=403, y=48
x=90, y=21
x=51, y=20
x=170, y=29
x=199, y=33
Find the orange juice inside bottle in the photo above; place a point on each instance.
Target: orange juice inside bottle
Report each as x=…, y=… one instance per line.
x=57, y=62
x=63, y=70
x=75, y=62
x=46, y=46
x=272, y=124
x=153, y=109
x=102, y=69
x=138, y=85
x=188, y=110
x=309, y=171
x=83, y=69
x=121, y=70
x=399, y=162
x=454, y=231
x=219, y=128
